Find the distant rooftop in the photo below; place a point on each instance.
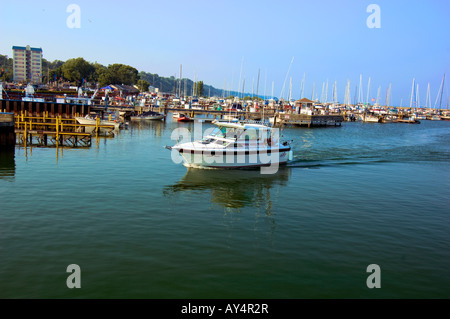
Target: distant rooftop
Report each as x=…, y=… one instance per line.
x=304, y=100
x=24, y=48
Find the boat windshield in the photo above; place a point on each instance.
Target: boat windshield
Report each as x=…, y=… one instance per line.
x=219, y=142
x=207, y=141
x=226, y=132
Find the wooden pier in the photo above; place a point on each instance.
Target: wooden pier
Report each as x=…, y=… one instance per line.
x=307, y=120
x=32, y=108
x=48, y=124
x=49, y=131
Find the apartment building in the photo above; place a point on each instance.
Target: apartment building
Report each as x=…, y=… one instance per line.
x=27, y=64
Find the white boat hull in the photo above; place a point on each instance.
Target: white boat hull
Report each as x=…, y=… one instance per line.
x=85, y=121
x=141, y=118
x=222, y=159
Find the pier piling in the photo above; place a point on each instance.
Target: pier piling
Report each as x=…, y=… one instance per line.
x=7, y=133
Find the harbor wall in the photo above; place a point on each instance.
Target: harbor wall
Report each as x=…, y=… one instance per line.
x=7, y=134
x=32, y=108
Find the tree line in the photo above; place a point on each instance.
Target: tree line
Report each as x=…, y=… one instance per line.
x=79, y=72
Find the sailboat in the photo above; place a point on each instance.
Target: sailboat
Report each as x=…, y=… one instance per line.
x=437, y=117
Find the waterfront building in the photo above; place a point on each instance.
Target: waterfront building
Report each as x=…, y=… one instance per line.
x=27, y=64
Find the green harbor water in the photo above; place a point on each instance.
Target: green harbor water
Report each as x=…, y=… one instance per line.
x=141, y=226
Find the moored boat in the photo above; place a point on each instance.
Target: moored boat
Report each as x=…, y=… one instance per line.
x=89, y=120
x=407, y=120
x=371, y=118
x=150, y=115
x=436, y=118
x=180, y=117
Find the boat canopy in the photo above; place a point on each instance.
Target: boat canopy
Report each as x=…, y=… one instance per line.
x=241, y=126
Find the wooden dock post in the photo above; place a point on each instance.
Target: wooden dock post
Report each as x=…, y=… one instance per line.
x=7, y=134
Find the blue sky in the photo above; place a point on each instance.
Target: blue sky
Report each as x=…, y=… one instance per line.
x=229, y=41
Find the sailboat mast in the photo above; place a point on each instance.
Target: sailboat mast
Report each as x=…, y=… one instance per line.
x=179, y=92
x=273, y=83
x=378, y=95
x=417, y=97
x=322, y=96
x=314, y=88
x=257, y=85
x=303, y=86
x=412, y=93
x=442, y=91
x=335, y=91
x=360, y=95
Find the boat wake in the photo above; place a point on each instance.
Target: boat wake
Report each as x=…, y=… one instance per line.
x=307, y=164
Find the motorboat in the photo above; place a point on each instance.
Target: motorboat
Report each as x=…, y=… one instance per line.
x=371, y=118
x=235, y=145
x=407, y=120
x=90, y=120
x=180, y=117
x=150, y=115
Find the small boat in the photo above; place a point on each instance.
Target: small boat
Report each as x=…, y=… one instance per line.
x=407, y=120
x=371, y=118
x=90, y=120
x=181, y=117
x=150, y=115
x=388, y=119
x=236, y=145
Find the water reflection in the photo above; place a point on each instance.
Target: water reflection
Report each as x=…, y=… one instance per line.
x=7, y=164
x=233, y=189
x=156, y=126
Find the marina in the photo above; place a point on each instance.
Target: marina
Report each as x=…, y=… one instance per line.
x=179, y=232
x=203, y=155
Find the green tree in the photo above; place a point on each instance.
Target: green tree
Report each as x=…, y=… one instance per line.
x=49, y=69
x=99, y=70
x=121, y=74
x=6, y=68
x=77, y=69
x=248, y=97
x=55, y=74
x=199, y=88
x=143, y=85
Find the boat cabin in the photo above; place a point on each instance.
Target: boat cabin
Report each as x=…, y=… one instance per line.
x=231, y=134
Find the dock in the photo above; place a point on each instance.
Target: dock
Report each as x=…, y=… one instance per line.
x=32, y=108
x=56, y=131
x=305, y=120
x=276, y=118
x=48, y=124
x=7, y=133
